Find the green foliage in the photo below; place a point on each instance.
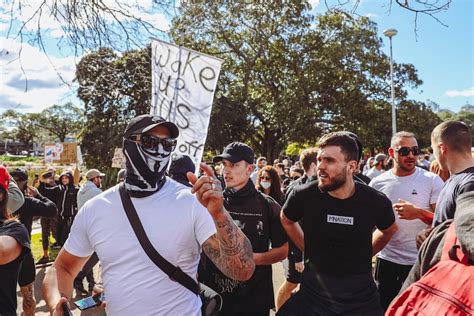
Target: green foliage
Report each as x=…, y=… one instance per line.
x=114, y=89
x=24, y=126
x=295, y=149
x=61, y=120
x=288, y=76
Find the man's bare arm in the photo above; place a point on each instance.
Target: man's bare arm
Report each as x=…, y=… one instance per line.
x=293, y=230
x=271, y=256
x=230, y=250
x=59, y=278
x=381, y=237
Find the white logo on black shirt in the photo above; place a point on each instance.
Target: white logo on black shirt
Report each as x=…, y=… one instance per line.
x=340, y=219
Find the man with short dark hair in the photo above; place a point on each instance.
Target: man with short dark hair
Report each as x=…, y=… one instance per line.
x=338, y=237
x=177, y=223
x=413, y=193
x=451, y=142
x=257, y=215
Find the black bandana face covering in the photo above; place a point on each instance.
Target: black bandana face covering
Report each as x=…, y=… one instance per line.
x=145, y=171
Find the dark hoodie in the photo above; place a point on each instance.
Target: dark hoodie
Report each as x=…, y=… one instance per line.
x=66, y=196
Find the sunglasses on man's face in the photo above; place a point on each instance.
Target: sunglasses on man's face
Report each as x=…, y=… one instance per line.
x=405, y=151
x=151, y=142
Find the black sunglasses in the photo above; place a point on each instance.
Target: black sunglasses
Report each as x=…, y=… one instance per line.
x=405, y=151
x=151, y=142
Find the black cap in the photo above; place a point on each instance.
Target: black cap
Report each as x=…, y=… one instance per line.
x=19, y=174
x=146, y=122
x=235, y=152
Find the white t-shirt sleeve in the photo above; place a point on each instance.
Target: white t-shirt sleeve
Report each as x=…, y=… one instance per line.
x=78, y=242
x=436, y=189
x=204, y=226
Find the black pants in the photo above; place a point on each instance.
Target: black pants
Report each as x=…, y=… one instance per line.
x=87, y=270
x=390, y=277
x=48, y=226
x=322, y=294
x=63, y=229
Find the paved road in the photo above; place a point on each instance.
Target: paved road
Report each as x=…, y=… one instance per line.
x=42, y=310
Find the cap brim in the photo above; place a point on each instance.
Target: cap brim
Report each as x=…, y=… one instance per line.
x=231, y=158
x=174, y=131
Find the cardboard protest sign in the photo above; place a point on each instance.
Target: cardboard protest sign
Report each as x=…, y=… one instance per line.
x=183, y=86
x=68, y=154
x=118, y=161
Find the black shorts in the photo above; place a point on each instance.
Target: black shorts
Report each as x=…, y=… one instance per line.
x=27, y=273
x=292, y=275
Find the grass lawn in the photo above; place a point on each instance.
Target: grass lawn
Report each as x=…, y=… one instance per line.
x=37, y=247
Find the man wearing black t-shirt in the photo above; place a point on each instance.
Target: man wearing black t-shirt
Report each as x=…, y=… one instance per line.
x=338, y=237
x=257, y=215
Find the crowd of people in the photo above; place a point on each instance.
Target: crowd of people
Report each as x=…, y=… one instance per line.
x=324, y=216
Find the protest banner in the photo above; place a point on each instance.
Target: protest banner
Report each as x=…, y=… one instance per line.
x=65, y=153
x=183, y=86
x=118, y=161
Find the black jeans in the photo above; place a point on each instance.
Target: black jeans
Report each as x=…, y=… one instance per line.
x=390, y=277
x=87, y=270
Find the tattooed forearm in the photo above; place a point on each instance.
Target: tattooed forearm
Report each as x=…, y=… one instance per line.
x=29, y=302
x=230, y=250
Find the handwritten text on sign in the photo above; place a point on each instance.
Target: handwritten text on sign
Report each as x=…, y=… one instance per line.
x=184, y=82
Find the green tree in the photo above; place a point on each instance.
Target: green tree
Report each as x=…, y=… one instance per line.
x=287, y=76
x=114, y=89
x=61, y=120
x=25, y=129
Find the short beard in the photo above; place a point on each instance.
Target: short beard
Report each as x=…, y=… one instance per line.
x=337, y=182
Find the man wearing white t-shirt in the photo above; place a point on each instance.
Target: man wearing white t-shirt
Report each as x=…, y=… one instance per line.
x=174, y=220
x=413, y=192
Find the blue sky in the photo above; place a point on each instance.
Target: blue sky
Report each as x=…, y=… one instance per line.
x=444, y=56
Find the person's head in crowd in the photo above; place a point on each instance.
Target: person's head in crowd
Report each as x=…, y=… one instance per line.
x=287, y=171
x=337, y=160
x=451, y=142
x=298, y=164
x=20, y=176
x=308, y=158
x=261, y=162
x=379, y=161
x=370, y=162
x=66, y=178
x=121, y=175
x=280, y=168
x=276, y=161
x=237, y=161
x=180, y=166
x=404, y=151
x=296, y=173
x=95, y=176
x=47, y=177
x=269, y=183
x=4, y=182
x=287, y=163
x=148, y=142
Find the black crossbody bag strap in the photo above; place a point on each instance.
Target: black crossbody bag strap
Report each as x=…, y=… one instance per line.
x=173, y=272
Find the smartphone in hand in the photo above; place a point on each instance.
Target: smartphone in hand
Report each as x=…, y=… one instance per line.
x=90, y=301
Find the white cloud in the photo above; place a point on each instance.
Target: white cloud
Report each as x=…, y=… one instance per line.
x=314, y=3
x=372, y=15
x=469, y=92
x=45, y=88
